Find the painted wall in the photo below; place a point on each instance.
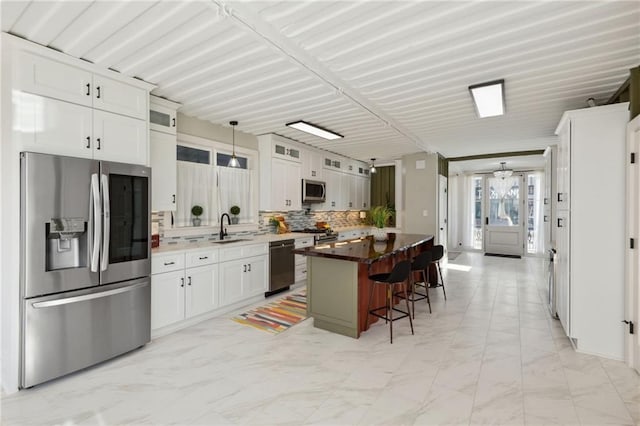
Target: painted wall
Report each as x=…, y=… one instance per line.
x=205, y=129
x=420, y=193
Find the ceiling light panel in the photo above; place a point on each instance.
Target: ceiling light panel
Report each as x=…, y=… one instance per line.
x=488, y=98
x=315, y=130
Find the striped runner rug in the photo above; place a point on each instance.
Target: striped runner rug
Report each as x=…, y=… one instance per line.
x=277, y=316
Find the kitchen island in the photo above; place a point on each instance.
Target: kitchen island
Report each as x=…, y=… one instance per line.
x=338, y=283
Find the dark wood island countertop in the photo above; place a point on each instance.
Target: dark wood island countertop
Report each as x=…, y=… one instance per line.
x=366, y=249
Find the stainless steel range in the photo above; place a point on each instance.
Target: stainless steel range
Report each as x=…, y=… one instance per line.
x=85, y=263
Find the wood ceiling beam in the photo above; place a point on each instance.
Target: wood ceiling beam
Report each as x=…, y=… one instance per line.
x=498, y=155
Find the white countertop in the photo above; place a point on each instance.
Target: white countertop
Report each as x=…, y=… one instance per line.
x=243, y=240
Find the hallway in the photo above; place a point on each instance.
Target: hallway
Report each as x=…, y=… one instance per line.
x=489, y=354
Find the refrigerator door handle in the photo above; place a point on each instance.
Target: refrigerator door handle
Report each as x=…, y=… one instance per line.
x=107, y=222
x=85, y=297
x=97, y=222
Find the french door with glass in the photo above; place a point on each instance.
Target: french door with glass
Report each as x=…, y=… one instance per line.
x=504, y=208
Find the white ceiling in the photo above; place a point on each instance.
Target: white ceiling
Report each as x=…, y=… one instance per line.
x=391, y=76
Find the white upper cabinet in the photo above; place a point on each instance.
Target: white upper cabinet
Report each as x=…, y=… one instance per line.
x=119, y=138
x=163, y=171
x=66, y=106
x=163, y=143
x=311, y=165
x=52, y=127
x=43, y=76
x=280, y=174
x=163, y=115
x=120, y=98
x=285, y=151
x=55, y=127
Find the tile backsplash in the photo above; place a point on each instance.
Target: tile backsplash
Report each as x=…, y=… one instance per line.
x=298, y=219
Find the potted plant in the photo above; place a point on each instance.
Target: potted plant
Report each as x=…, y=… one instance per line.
x=380, y=216
x=196, y=211
x=275, y=223
x=235, y=211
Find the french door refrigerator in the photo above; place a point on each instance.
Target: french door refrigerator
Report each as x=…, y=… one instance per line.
x=85, y=263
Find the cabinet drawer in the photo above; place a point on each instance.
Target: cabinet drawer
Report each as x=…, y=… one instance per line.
x=200, y=258
x=166, y=262
x=300, y=260
x=232, y=253
x=304, y=242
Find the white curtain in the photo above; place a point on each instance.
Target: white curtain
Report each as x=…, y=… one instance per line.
x=538, y=214
x=196, y=186
x=461, y=212
x=234, y=189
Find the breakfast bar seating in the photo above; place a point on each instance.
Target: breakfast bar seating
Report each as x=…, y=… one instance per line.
x=338, y=284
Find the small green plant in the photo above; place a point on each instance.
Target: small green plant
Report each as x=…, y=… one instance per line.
x=273, y=221
x=380, y=215
x=196, y=210
x=234, y=210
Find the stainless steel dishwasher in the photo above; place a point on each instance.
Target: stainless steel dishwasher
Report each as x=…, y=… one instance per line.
x=281, y=265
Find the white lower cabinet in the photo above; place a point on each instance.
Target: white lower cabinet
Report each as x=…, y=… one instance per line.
x=186, y=284
x=167, y=299
x=201, y=290
x=300, y=260
x=242, y=278
x=183, y=293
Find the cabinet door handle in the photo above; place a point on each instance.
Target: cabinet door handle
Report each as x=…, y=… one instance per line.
x=313, y=173
x=245, y=268
x=174, y=122
x=169, y=263
x=98, y=139
x=203, y=257
x=181, y=282
x=88, y=142
x=98, y=88
x=486, y=220
x=189, y=282
x=560, y=197
x=546, y=218
x=174, y=198
x=249, y=267
x=88, y=89
x=560, y=223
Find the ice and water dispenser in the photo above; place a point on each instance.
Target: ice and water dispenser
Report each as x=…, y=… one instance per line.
x=66, y=240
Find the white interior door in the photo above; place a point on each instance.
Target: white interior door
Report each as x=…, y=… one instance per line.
x=442, y=212
x=504, y=215
x=632, y=296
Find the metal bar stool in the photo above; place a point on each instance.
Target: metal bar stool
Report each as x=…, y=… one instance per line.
x=420, y=264
x=437, y=252
x=397, y=276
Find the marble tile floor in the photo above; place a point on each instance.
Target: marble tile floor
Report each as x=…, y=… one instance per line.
x=490, y=354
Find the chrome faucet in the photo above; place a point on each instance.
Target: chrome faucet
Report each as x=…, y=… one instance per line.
x=223, y=232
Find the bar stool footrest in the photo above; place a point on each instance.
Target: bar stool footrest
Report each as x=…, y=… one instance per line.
x=375, y=314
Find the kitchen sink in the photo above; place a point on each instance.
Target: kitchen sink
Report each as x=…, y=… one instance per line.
x=230, y=241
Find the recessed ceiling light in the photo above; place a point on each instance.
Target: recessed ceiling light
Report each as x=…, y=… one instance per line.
x=488, y=98
x=314, y=130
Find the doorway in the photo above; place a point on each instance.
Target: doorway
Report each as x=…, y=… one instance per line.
x=504, y=208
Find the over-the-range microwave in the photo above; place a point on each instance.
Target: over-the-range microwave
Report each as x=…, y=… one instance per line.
x=313, y=191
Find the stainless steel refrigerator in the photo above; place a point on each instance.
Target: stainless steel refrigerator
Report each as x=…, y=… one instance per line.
x=85, y=263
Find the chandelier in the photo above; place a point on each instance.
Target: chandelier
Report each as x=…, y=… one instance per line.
x=502, y=172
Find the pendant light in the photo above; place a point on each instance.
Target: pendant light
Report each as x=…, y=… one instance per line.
x=372, y=168
x=233, y=161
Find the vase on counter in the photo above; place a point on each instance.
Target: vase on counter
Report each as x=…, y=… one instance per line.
x=196, y=221
x=235, y=219
x=379, y=234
